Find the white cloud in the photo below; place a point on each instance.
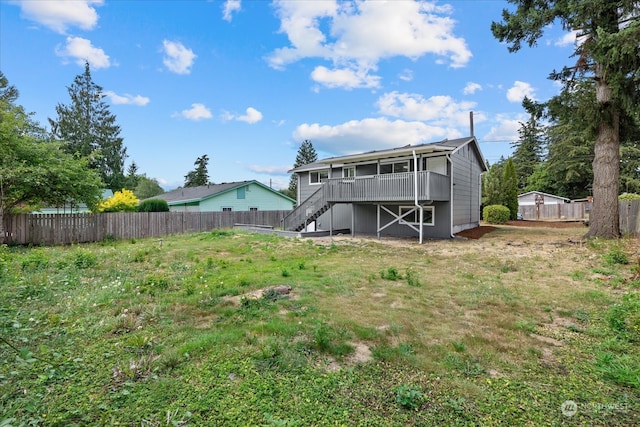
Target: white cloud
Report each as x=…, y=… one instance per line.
x=126, y=99
x=438, y=110
x=195, y=113
x=568, y=39
x=59, y=15
x=506, y=129
x=81, y=50
x=345, y=78
x=178, y=58
x=471, y=88
x=358, y=136
x=356, y=35
x=406, y=75
x=271, y=170
x=229, y=7
x=252, y=116
x=519, y=90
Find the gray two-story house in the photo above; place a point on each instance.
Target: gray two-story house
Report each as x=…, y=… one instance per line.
x=428, y=190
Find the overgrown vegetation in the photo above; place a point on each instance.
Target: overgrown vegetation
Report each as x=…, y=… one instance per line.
x=207, y=330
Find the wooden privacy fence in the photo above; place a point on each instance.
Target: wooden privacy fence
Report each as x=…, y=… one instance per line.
x=56, y=229
x=629, y=212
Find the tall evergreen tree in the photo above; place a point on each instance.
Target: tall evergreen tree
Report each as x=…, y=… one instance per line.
x=529, y=147
x=570, y=141
x=88, y=128
x=306, y=155
x=200, y=175
x=609, y=55
x=510, y=188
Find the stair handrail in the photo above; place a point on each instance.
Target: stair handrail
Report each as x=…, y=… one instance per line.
x=298, y=216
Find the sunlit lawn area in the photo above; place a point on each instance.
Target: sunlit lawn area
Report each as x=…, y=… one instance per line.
x=509, y=329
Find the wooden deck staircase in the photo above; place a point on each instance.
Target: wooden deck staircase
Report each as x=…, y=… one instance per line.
x=307, y=212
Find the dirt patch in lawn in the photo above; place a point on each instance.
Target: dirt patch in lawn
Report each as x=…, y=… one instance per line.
x=478, y=232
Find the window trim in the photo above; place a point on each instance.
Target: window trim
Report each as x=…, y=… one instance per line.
x=227, y=209
x=321, y=176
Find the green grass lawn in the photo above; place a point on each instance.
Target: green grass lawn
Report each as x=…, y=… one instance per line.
x=509, y=329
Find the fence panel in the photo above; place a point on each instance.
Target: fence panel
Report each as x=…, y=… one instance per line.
x=55, y=229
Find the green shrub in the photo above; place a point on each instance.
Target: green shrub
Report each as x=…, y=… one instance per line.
x=496, y=214
x=153, y=205
x=629, y=196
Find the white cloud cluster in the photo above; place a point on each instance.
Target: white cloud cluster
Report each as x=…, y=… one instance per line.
x=357, y=136
x=439, y=110
x=354, y=36
x=126, y=99
x=80, y=50
x=519, y=90
x=196, y=112
x=506, y=129
x=177, y=57
x=270, y=170
x=229, y=7
x=251, y=116
x=471, y=88
x=59, y=15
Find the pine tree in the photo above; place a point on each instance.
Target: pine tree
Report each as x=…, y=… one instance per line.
x=510, y=188
x=306, y=155
x=199, y=176
x=88, y=128
x=529, y=148
x=608, y=54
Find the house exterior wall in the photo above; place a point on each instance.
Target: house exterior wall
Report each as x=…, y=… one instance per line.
x=255, y=196
x=466, y=165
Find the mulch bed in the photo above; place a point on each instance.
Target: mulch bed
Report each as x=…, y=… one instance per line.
x=478, y=232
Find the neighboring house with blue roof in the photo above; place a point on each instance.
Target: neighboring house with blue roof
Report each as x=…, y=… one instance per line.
x=227, y=197
x=70, y=208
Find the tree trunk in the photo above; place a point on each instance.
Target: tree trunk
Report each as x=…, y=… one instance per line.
x=604, y=219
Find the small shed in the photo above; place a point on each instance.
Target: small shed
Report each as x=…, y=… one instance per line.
x=530, y=198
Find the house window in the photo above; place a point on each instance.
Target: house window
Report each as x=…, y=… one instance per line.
x=413, y=218
x=253, y=209
x=396, y=167
x=435, y=164
x=349, y=172
x=318, y=177
x=227, y=209
x=240, y=193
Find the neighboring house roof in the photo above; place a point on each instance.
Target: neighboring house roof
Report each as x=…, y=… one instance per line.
x=445, y=146
x=545, y=195
x=202, y=192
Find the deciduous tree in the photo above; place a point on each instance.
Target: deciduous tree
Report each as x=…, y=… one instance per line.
x=35, y=172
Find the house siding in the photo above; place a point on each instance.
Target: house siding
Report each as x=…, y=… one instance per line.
x=254, y=196
x=466, y=173
x=456, y=203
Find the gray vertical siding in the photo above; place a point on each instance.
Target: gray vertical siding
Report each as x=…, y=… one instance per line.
x=466, y=184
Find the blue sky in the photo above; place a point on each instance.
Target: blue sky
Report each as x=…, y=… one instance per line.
x=245, y=82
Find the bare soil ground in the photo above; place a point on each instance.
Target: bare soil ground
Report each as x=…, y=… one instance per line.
x=478, y=232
